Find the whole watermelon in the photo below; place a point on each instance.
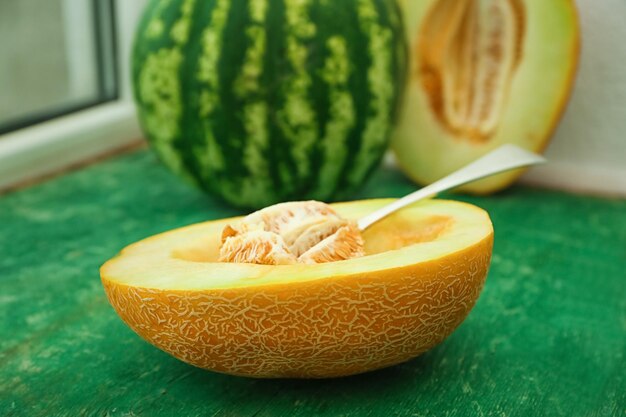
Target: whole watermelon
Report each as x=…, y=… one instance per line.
x=262, y=101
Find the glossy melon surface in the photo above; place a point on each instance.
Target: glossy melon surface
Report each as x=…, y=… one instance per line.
x=423, y=272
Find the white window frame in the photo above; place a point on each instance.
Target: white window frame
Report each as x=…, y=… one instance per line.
x=51, y=146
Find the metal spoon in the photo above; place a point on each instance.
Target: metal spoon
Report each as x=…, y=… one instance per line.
x=504, y=158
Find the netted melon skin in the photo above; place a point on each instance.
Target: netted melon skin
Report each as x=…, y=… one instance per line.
x=314, y=329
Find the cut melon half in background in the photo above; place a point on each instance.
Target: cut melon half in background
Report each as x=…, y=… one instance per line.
x=423, y=271
x=483, y=73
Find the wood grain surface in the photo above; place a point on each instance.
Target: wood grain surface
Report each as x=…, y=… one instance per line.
x=547, y=337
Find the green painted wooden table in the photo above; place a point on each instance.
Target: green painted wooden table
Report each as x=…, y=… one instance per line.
x=547, y=337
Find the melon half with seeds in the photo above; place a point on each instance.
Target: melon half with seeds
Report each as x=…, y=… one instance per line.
x=483, y=73
x=421, y=272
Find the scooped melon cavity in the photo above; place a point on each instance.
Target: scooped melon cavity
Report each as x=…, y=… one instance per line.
x=307, y=232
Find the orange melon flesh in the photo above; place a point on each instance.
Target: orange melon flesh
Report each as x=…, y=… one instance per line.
x=423, y=271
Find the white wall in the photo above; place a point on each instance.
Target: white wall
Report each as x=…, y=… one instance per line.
x=588, y=152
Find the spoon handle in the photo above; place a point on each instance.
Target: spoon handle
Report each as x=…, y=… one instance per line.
x=504, y=158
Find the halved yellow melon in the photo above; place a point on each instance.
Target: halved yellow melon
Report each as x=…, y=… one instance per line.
x=483, y=73
x=423, y=271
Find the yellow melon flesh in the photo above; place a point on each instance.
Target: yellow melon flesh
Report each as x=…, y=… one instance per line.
x=482, y=73
x=423, y=271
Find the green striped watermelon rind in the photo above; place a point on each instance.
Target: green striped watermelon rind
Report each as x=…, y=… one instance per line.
x=262, y=101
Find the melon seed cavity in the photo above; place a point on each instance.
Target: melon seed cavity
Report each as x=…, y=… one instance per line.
x=306, y=232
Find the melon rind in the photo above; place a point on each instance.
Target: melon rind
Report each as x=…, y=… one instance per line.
x=264, y=101
x=308, y=321
x=539, y=92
